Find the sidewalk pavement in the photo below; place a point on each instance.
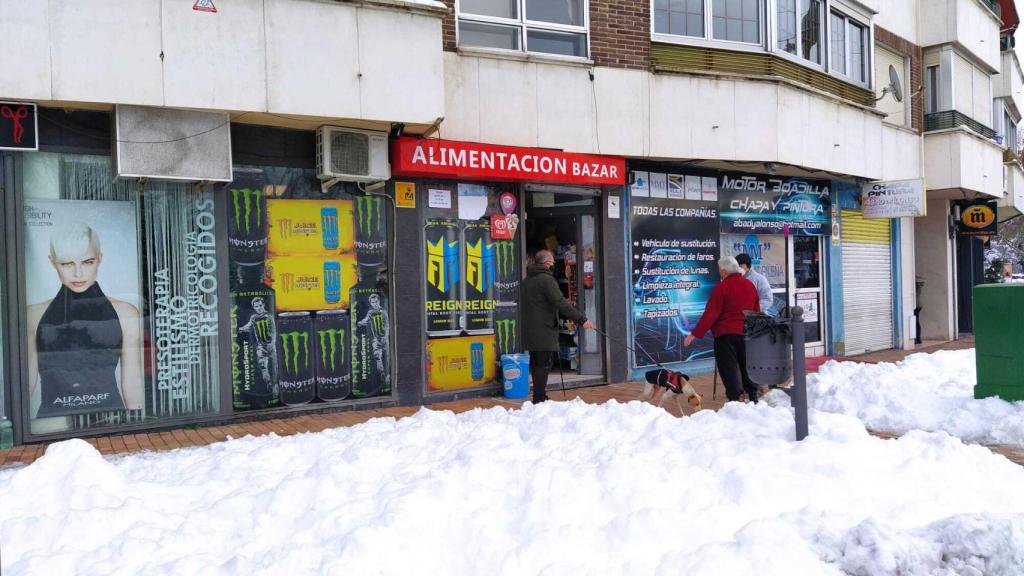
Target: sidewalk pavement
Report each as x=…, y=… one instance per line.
x=203, y=435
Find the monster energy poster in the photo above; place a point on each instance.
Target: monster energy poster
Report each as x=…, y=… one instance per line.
x=247, y=222
x=506, y=271
x=478, y=283
x=254, y=361
x=370, y=326
x=443, y=303
x=295, y=335
x=675, y=249
x=506, y=328
x=331, y=354
x=371, y=241
x=309, y=312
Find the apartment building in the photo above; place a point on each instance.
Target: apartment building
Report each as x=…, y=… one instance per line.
x=235, y=208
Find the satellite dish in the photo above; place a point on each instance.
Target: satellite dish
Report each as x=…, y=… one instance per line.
x=895, y=86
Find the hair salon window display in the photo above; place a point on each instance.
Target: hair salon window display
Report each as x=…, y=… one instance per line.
x=82, y=336
x=309, y=286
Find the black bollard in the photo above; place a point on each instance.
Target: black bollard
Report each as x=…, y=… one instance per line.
x=799, y=395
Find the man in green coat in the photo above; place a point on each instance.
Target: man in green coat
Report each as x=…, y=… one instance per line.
x=542, y=302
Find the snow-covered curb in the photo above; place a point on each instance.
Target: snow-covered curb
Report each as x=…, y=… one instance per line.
x=932, y=392
x=561, y=488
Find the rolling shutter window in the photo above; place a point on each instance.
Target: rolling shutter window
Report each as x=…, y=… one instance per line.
x=963, y=85
x=867, y=283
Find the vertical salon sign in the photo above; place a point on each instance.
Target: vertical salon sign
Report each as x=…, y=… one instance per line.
x=183, y=265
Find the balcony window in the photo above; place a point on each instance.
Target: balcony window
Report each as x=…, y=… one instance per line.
x=1011, y=133
x=730, y=20
x=542, y=26
x=679, y=17
x=799, y=28
x=848, y=45
x=931, y=89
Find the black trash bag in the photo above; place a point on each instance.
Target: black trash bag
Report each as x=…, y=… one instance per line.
x=769, y=346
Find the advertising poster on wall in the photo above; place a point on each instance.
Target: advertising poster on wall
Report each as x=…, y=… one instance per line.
x=459, y=363
x=443, y=285
x=371, y=356
x=768, y=205
x=478, y=278
x=82, y=284
x=299, y=258
x=675, y=250
x=767, y=254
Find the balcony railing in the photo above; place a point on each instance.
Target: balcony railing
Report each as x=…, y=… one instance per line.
x=954, y=119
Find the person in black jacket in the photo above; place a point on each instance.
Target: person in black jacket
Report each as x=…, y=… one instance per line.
x=541, y=303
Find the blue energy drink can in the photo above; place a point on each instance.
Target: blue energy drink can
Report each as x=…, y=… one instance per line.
x=332, y=281
x=476, y=360
x=329, y=227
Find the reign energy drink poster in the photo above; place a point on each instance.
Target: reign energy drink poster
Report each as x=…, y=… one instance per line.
x=247, y=218
x=295, y=342
x=331, y=355
x=371, y=363
x=478, y=282
x=444, y=302
x=254, y=357
x=674, y=267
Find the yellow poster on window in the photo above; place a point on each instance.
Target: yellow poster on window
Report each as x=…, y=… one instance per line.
x=457, y=363
x=312, y=282
x=307, y=227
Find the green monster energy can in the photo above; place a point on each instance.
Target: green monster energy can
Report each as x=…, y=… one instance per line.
x=370, y=233
x=331, y=355
x=506, y=328
x=506, y=271
x=247, y=218
x=295, y=358
x=253, y=346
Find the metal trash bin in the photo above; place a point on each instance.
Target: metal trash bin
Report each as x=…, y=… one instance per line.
x=769, y=349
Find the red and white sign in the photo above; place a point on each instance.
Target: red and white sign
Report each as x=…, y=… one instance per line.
x=474, y=161
x=204, y=6
x=504, y=227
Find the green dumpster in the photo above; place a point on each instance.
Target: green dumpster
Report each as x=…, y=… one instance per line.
x=999, y=340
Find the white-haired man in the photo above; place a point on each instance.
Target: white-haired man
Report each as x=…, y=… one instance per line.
x=724, y=316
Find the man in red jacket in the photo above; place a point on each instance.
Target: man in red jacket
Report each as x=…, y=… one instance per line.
x=724, y=316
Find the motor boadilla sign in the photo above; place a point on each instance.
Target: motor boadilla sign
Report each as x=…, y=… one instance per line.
x=412, y=157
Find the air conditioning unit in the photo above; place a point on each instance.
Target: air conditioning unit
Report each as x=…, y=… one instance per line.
x=352, y=155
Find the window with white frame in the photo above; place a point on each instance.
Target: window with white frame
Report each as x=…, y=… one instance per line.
x=799, y=28
x=848, y=45
x=931, y=89
x=1011, y=133
x=544, y=26
x=726, y=20
x=825, y=34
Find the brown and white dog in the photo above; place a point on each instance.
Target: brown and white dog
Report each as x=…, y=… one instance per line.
x=665, y=384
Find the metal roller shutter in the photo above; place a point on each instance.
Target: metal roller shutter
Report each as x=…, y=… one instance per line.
x=867, y=283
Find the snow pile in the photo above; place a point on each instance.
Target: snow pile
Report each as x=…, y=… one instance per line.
x=561, y=488
x=933, y=392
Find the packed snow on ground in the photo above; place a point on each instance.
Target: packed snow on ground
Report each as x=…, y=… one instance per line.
x=933, y=392
x=560, y=488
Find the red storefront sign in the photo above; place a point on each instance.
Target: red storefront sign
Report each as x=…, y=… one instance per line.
x=473, y=161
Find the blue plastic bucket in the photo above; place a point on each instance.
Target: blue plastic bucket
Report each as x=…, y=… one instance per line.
x=515, y=371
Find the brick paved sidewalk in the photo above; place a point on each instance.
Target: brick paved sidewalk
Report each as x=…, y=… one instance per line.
x=203, y=435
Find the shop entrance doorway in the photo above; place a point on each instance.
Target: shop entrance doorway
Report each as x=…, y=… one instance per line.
x=795, y=270
x=565, y=222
